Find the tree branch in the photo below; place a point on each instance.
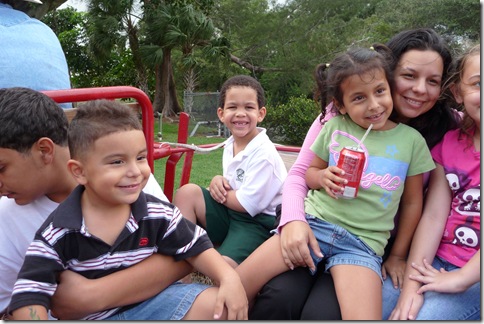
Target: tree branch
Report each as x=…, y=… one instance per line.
x=253, y=68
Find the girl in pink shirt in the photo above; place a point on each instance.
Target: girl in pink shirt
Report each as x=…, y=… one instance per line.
x=443, y=267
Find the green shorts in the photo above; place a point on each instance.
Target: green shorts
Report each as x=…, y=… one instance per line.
x=237, y=234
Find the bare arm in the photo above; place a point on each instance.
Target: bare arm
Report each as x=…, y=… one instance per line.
x=320, y=176
x=231, y=292
x=411, y=211
x=296, y=235
x=425, y=242
x=31, y=312
x=448, y=282
x=295, y=188
x=77, y=296
x=233, y=203
x=221, y=191
x=314, y=174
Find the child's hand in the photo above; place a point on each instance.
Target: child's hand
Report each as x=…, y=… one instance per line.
x=440, y=281
x=395, y=267
x=232, y=295
x=218, y=188
x=408, y=305
x=330, y=180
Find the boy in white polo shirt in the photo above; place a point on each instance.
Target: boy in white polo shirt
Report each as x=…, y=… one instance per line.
x=238, y=209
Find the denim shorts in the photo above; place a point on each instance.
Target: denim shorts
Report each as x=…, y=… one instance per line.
x=171, y=304
x=341, y=247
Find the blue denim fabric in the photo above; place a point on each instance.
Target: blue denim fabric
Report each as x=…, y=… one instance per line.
x=171, y=304
x=439, y=306
x=341, y=247
x=31, y=56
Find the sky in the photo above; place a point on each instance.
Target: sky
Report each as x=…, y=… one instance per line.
x=78, y=4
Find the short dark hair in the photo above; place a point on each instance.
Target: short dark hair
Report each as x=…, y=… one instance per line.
x=26, y=116
x=242, y=81
x=98, y=118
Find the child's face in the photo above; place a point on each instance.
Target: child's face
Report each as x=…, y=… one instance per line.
x=367, y=99
x=27, y=187
x=241, y=112
x=418, y=81
x=469, y=88
x=116, y=169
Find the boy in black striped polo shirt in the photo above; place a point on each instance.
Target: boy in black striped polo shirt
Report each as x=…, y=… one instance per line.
x=107, y=224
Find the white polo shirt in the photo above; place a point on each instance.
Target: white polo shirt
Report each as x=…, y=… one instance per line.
x=256, y=173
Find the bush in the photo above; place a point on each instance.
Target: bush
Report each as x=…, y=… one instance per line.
x=289, y=123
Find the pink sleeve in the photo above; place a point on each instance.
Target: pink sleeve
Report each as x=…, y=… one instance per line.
x=295, y=188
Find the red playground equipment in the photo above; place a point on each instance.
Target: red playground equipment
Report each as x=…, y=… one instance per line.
x=159, y=150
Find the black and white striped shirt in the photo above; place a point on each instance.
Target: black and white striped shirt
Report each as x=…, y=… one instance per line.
x=63, y=243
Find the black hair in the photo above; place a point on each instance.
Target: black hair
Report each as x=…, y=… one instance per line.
x=355, y=61
x=26, y=116
x=242, y=81
x=98, y=118
x=441, y=117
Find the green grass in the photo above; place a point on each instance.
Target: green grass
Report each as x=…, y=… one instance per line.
x=205, y=166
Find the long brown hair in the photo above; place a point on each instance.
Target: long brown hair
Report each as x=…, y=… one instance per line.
x=355, y=61
x=467, y=125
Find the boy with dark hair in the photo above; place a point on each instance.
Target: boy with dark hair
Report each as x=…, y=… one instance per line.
x=107, y=224
x=33, y=181
x=238, y=209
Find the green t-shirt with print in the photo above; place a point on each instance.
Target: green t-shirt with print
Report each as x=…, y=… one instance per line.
x=391, y=156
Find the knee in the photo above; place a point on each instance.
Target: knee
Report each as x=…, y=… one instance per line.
x=186, y=193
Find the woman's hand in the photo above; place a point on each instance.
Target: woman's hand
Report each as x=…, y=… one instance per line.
x=295, y=238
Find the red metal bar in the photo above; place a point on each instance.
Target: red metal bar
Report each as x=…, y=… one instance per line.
x=117, y=92
x=175, y=156
x=284, y=148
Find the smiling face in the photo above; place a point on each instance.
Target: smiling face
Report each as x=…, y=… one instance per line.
x=418, y=80
x=468, y=91
x=241, y=113
x=367, y=100
x=115, y=170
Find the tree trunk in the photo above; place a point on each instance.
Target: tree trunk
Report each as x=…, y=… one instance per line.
x=138, y=63
x=170, y=102
x=159, y=98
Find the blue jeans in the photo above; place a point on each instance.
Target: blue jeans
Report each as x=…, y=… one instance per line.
x=341, y=247
x=171, y=304
x=439, y=306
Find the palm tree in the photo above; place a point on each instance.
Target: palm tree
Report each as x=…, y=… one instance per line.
x=173, y=26
x=112, y=24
